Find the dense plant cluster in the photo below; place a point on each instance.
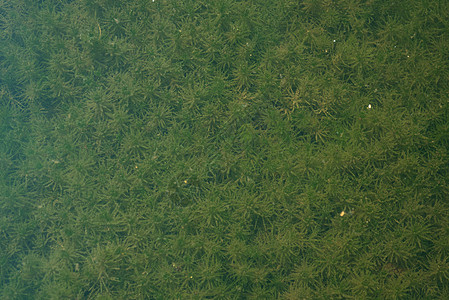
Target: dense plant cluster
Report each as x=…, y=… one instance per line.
x=189, y=149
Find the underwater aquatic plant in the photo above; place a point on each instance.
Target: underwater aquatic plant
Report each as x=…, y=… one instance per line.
x=179, y=149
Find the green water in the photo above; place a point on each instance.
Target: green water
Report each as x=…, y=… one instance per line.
x=224, y=149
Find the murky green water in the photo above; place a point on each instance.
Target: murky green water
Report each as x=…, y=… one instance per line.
x=224, y=149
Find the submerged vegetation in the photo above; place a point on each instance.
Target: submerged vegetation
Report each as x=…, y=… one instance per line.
x=224, y=149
